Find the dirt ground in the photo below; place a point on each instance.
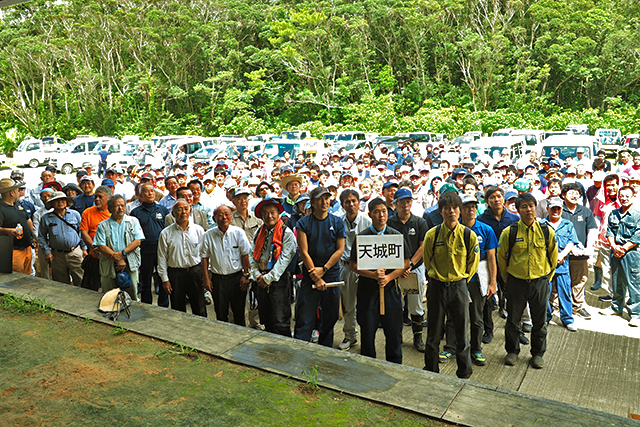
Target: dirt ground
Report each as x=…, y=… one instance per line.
x=61, y=370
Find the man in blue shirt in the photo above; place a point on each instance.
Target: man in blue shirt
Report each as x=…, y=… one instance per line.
x=151, y=217
x=566, y=238
x=498, y=218
x=85, y=200
x=59, y=237
x=479, y=292
x=623, y=233
x=102, y=163
x=321, y=240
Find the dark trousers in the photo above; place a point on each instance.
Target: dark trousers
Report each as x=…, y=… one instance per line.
x=476, y=307
x=91, y=277
x=227, y=292
x=147, y=275
x=520, y=292
x=308, y=301
x=187, y=281
x=274, y=306
x=368, y=314
x=454, y=300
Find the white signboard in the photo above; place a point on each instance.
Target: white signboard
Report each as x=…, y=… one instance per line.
x=380, y=251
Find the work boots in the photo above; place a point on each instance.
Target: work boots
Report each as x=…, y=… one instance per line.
x=417, y=326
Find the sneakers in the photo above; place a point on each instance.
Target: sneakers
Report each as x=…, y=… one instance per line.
x=445, y=356
x=207, y=298
x=634, y=323
x=315, y=336
x=584, y=314
x=347, y=343
x=537, y=362
x=524, y=340
x=478, y=359
x=571, y=327
x=511, y=358
x=487, y=337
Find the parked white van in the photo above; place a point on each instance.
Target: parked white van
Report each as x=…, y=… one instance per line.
x=495, y=145
x=567, y=145
x=77, y=151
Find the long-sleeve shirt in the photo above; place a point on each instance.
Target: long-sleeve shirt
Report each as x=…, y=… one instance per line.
x=286, y=255
x=451, y=260
x=529, y=253
x=54, y=233
x=625, y=227
x=178, y=248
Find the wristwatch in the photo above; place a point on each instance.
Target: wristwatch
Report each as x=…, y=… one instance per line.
x=411, y=264
x=124, y=253
x=324, y=268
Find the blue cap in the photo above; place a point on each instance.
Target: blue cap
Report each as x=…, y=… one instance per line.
x=389, y=184
x=107, y=182
x=403, y=193
x=510, y=195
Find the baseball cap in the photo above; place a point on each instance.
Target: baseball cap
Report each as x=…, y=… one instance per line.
x=318, y=192
x=86, y=178
x=468, y=198
x=510, y=195
x=241, y=190
x=554, y=202
x=107, y=182
x=403, y=193
x=447, y=186
x=389, y=184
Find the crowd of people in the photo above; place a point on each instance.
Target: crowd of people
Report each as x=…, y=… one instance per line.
x=254, y=236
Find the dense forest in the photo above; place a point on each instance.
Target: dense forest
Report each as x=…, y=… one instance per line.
x=208, y=67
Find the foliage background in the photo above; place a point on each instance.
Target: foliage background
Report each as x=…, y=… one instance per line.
x=208, y=67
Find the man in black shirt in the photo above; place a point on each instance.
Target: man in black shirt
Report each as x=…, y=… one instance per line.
x=369, y=284
x=413, y=229
x=151, y=217
x=13, y=214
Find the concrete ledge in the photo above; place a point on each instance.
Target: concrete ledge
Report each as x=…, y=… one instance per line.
x=436, y=396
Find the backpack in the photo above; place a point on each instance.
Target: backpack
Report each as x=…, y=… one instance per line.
x=513, y=231
x=467, y=238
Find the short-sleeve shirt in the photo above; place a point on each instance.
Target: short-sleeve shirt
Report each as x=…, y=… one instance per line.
x=583, y=220
x=367, y=286
x=413, y=231
x=322, y=238
x=486, y=238
x=82, y=202
x=118, y=231
x=10, y=217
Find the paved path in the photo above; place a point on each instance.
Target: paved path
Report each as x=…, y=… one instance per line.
x=595, y=383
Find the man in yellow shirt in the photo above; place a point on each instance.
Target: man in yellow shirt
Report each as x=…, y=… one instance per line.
x=451, y=255
x=527, y=262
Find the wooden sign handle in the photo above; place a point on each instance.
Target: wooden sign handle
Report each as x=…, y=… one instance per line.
x=381, y=301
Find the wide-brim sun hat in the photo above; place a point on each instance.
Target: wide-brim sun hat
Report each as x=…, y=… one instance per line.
x=269, y=199
x=57, y=195
x=8, y=184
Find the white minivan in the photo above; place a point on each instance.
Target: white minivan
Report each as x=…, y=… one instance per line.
x=567, y=146
x=77, y=151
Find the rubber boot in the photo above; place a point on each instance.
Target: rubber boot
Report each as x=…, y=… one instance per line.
x=417, y=326
x=597, y=271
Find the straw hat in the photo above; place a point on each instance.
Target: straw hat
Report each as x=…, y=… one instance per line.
x=285, y=181
x=7, y=184
x=57, y=195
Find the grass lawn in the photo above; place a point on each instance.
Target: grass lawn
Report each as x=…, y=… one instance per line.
x=63, y=370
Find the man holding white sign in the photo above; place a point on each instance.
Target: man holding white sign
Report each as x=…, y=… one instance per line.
x=375, y=247
x=413, y=229
x=451, y=255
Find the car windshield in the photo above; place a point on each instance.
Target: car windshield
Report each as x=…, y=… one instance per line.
x=634, y=142
x=494, y=152
x=564, y=151
x=205, y=153
x=273, y=150
x=420, y=137
x=290, y=135
x=462, y=140
x=24, y=144
x=329, y=137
